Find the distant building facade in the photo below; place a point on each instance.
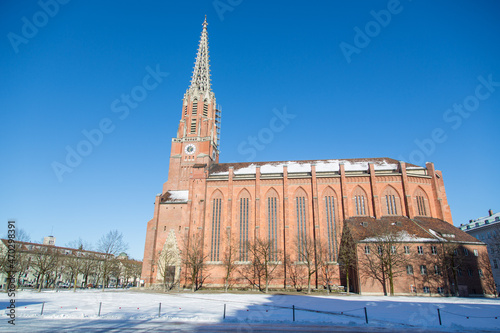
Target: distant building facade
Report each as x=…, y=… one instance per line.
x=487, y=230
x=224, y=205
x=56, y=264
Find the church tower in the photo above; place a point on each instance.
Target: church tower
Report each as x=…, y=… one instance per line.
x=197, y=140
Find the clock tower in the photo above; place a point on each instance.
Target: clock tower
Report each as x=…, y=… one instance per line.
x=197, y=141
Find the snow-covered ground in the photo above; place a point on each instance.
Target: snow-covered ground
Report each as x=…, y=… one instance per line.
x=457, y=314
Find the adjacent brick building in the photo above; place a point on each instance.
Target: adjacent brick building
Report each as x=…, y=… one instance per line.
x=282, y=202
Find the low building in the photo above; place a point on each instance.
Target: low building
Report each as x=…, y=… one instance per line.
x=55, y=266
x=423, y=255
x=487, y=230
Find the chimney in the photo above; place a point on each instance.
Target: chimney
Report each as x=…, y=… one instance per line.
x=491, y=212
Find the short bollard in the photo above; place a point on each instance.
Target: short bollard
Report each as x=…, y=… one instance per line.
x=159, y=311
x=224, y=315
x=439, y=316
x=366, y=315
x=43, y=304
x=99, y=314
x=293, y=308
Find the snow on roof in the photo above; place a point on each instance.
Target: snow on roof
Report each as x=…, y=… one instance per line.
x=305, y=166
x=177, y=196
x=402, y=236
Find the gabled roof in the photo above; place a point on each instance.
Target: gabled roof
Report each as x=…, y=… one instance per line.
x=419, y=229
x=333, y=165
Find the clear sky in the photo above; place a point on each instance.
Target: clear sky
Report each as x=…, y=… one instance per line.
x=360, y=79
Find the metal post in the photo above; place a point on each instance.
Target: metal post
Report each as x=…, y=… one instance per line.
x=43, y=304
x=366, y=315
x=224, y=316
x=293, y=308
x=100, y=303
x=439, y=316
x=159, y=311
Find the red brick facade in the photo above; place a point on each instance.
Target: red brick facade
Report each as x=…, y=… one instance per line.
x=272, y=200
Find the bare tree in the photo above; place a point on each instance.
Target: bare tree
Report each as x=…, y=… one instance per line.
x=386, y=259
x=194, y=261
x=44, y=260
x=229, y=262
x=168, y=260
x=306, y=252
x=295, y=273
x=111, y=245
x=347, y=254
x=452, y=259
x=265, y=260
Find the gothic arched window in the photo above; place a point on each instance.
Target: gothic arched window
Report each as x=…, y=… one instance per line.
x=391, y=202
x=330, y=202
x=244, y=213
x=272, y=222
x=360, y=202
x=216, y=226
x=301, y=216
x=421, y=202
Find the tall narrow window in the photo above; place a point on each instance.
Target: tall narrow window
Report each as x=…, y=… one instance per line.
x=300, y=206
x=360, y=202
x=194, y=111
x=205, y=109
x=243, y=229
x=216, y=218
x=421, y=202
x=185, y=110
x=391, y=202
x=272, y=227
x=193, y=126
x=391, y=205
x=331, y=227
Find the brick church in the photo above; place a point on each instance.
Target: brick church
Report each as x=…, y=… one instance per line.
x=218, y=205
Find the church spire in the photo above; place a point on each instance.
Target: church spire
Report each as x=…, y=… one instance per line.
x=200, y=81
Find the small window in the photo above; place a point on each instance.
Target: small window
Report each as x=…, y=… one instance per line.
x=165, y=228
x=367, y=249
x=380, y=250
x=495, y=264
x=420, y=250
x=194, y=111
x=480, y=271
x=437, y=270
x=440, y=290
x=409, y=270
x=455, y=252
x=205, y=109
x=476, y=253
x=413, y=289
x=193, y=126
x=433, y=250
x=466, y=252
x=459, y=271
x=427, y=290
x=407, y=249
x=393, y=249
x=185, y=110
x=423, y=270
x=470, y=272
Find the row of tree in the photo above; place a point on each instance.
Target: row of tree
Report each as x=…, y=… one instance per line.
x=310, y=262
x=263, y=263
x=52, y=265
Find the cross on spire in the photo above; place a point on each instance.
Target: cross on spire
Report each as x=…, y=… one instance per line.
x=200, y=81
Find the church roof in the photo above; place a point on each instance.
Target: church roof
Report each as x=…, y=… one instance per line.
x=354, y=164
x=418, y=229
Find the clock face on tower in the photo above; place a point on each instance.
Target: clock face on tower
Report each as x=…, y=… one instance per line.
x=190, y=149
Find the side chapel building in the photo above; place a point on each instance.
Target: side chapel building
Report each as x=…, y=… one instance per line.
x=282, y=202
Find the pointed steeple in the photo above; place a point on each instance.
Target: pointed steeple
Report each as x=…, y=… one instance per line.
x=200, y=81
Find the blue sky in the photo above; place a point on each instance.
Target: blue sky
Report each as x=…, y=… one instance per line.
x=383, y=97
